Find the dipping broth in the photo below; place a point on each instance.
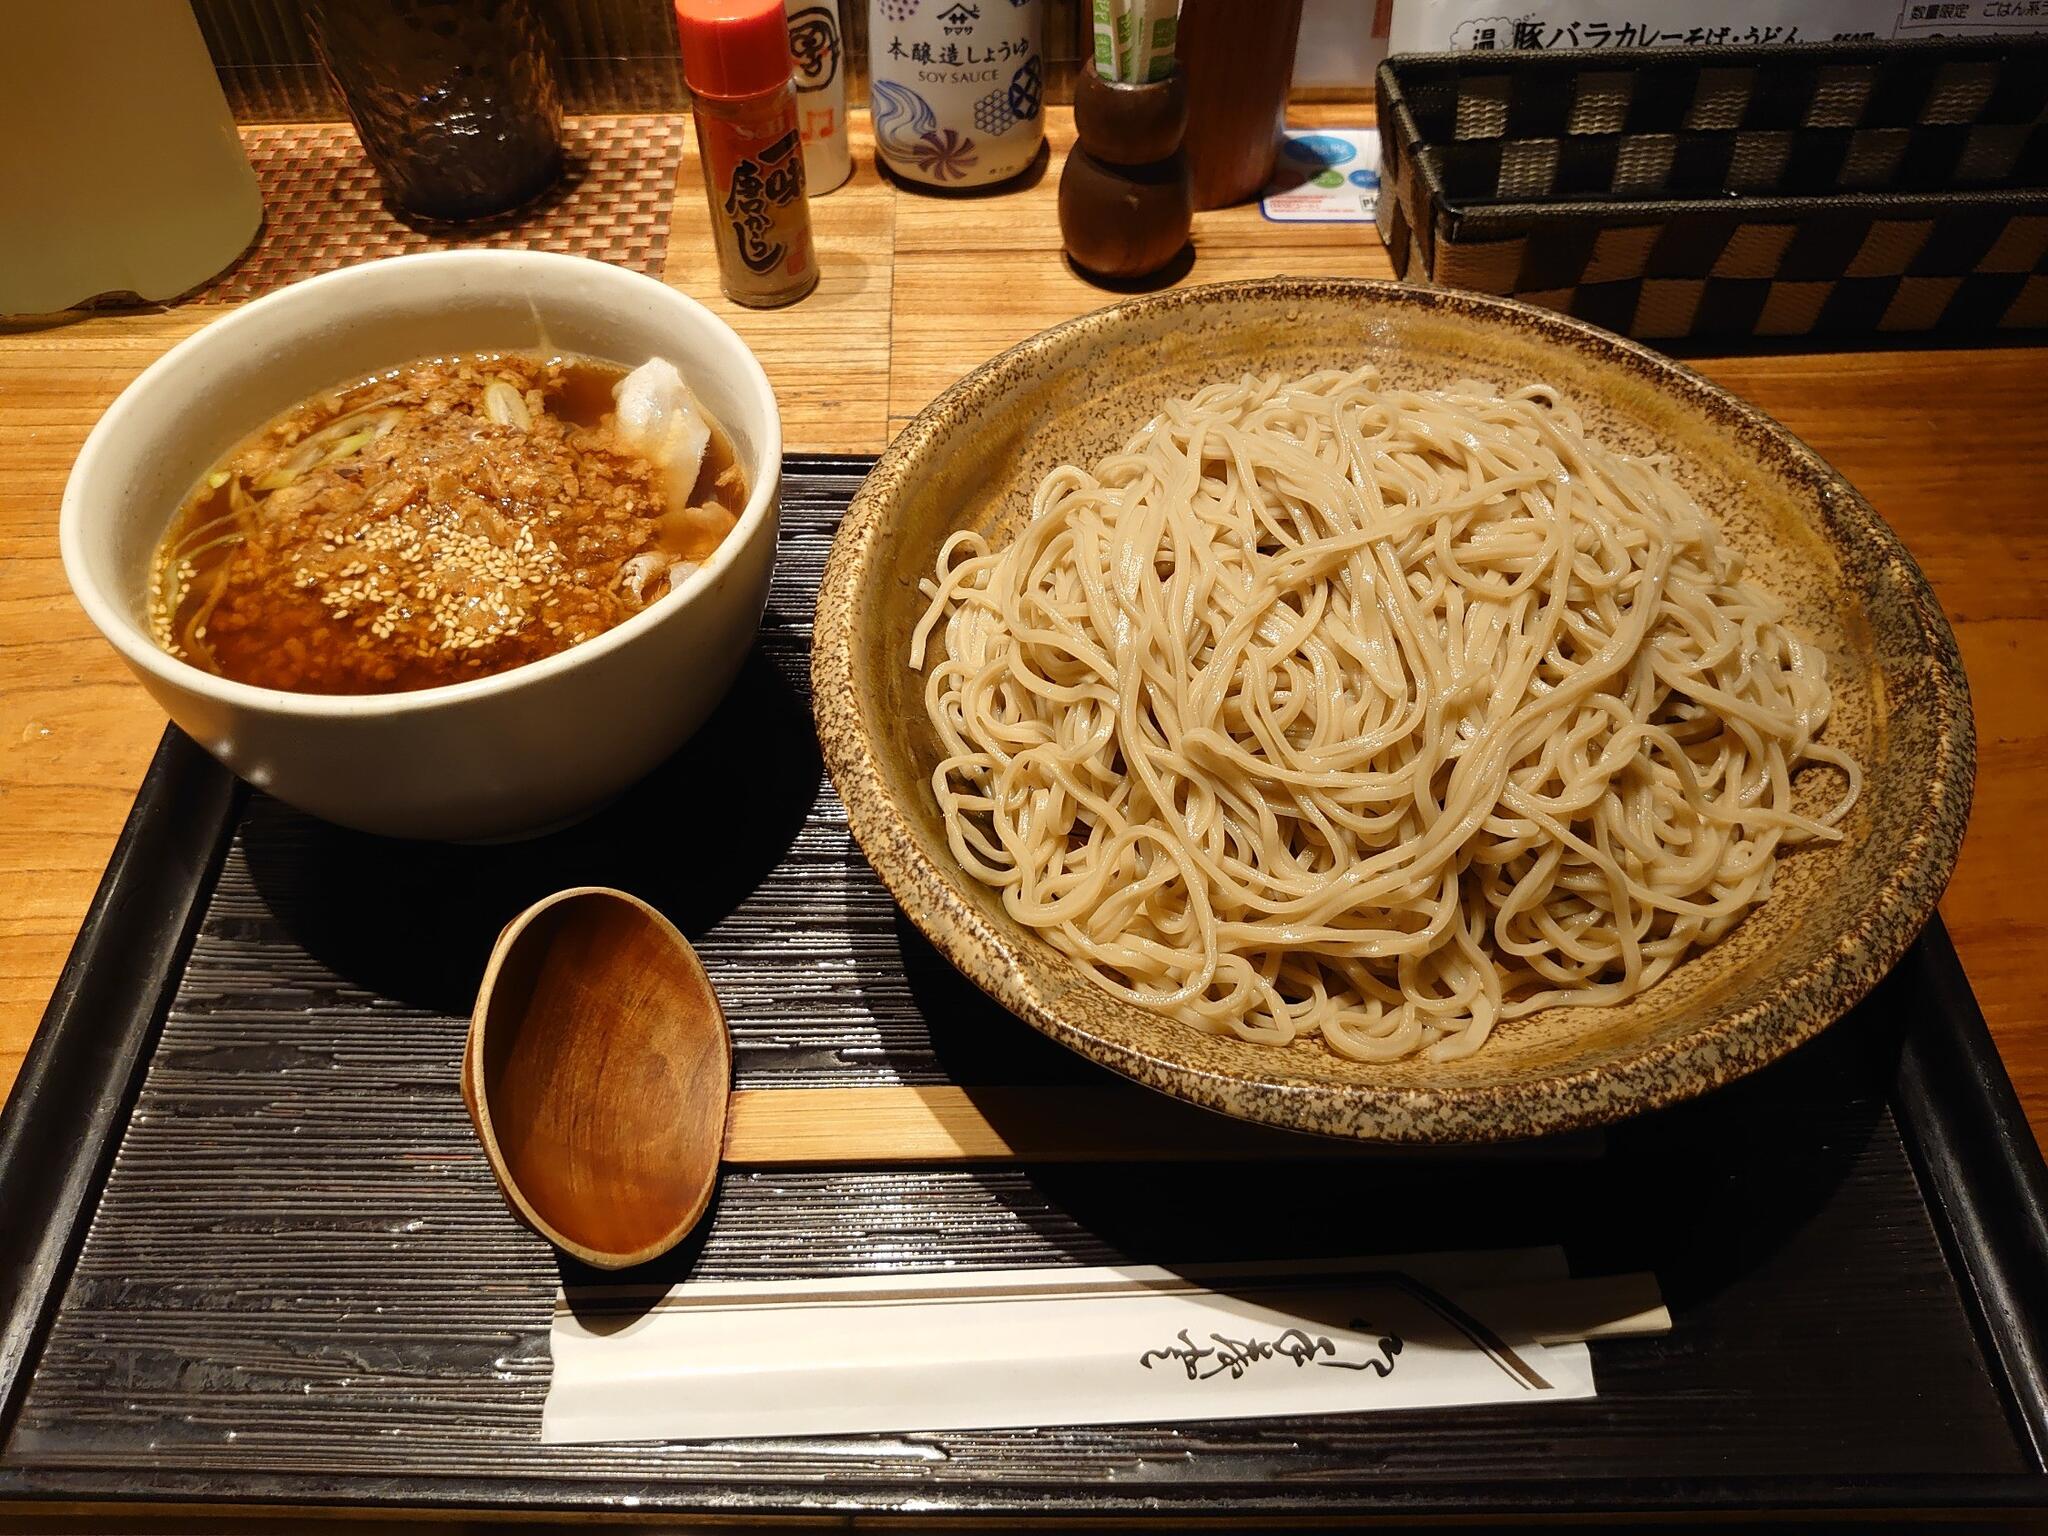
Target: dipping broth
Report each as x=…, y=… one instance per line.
x=442, y=521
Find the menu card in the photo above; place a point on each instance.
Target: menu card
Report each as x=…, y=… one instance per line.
x=1328, y=176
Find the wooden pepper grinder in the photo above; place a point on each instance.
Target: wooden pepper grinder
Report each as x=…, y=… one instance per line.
x=1126, y=204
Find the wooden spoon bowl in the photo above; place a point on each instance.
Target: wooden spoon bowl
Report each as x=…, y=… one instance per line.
x=597, y=1072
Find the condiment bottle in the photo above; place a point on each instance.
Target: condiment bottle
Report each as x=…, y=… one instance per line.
x=736, y=64
x=817, y=52
x=957, y=88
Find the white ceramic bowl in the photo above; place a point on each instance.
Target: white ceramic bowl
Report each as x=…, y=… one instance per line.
x=503, y=755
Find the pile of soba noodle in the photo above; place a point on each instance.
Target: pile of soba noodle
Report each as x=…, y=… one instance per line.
x=1331, y=709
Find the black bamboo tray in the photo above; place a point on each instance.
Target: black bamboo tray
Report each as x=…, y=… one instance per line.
x=253, y=1262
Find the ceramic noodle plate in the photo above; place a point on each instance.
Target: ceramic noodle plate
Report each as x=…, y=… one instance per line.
x=1840, y=914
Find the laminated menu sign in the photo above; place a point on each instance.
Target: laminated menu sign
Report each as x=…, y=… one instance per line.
x=1427, y=26
x=992, y=1349
x=1330, y=176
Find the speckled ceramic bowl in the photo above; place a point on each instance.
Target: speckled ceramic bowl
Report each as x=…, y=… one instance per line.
x=1839, y=916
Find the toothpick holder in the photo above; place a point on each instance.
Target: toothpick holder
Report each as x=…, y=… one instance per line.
x=1126, y=204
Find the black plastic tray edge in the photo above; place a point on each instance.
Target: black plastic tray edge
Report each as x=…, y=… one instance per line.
x=1983, y=1177
x=69, y=1105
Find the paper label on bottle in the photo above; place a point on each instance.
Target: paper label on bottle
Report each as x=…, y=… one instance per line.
x=957, y=90
x=817, y=57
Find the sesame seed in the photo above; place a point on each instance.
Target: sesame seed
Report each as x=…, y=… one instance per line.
x=447, y=540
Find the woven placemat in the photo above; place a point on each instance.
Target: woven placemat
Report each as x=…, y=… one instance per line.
x=323, y=206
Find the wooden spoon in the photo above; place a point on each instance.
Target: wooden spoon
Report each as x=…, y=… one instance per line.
x=598, y=1071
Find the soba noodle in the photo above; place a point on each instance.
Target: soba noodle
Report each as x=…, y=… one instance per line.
x=1331, y=709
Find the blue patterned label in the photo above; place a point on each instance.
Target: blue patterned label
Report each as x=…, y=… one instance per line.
x=958, y=87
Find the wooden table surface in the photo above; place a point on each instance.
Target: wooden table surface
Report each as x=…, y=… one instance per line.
x=1950, y=445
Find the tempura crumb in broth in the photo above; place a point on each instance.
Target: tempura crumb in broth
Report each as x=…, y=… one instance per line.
x=442, y=521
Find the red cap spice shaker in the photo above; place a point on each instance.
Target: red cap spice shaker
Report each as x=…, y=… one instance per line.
x=736, y=64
